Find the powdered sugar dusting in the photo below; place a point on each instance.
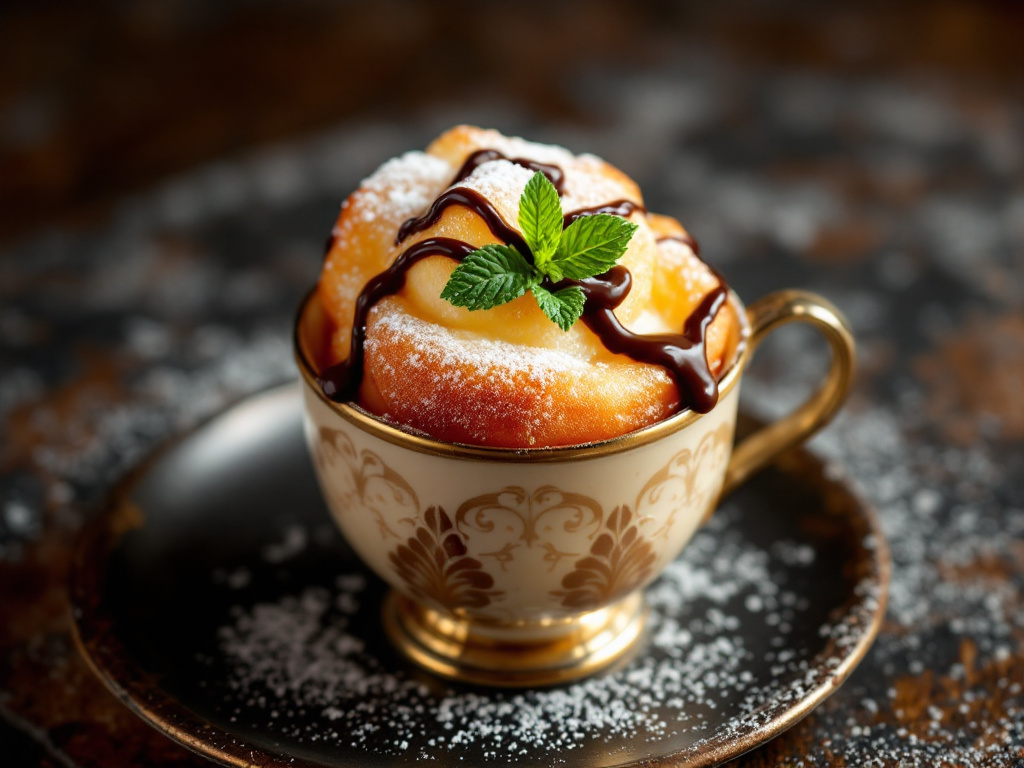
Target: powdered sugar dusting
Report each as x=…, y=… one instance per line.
x=306, y=652
x=403, y=186
x=514, y=146
x=591, y=182
x=588, y=179
x=680, y=260
x=492, y=357
x=536, y=386
x=953, y=513
x=502, y=183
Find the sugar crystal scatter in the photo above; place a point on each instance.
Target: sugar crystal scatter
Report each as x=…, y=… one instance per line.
x=304, y=651
x=949, y=532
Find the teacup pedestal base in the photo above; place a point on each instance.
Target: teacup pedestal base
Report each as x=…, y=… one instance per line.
x=514, y=654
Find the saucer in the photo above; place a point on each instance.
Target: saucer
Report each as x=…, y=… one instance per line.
x=214, y=597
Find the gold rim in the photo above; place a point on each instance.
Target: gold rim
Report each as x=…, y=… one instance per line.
x=422, y=443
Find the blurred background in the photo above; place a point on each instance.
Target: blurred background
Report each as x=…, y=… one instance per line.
x=169, y=170
x=102, y=99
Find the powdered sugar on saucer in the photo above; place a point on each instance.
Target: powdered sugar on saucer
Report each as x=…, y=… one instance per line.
x=305, y=653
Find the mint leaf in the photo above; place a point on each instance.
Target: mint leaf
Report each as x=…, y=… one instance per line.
x=562, y=307
x=497, y=274
x=553, y=271
x=592, y=244
x=489, y=276
x=540, y=218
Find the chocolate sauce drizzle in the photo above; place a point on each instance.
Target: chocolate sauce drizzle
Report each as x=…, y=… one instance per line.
x=616, y=208
x=481, y=156
x=687, y=240
x=682, y=355
x=482, y=207
x=341, y=382
x=478, y=204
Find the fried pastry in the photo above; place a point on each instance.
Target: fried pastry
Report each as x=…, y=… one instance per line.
x=657, y=331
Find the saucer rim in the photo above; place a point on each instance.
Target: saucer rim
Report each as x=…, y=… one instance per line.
x=96, y=640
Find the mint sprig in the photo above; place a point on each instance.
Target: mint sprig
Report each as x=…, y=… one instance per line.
x=496, y=274
x=540, y=218
x=489, y=276
x=592, y=244
x=563, y=307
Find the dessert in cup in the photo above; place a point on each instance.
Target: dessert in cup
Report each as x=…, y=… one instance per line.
x=520, y=394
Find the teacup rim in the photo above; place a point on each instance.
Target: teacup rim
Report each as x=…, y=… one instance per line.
x=421, y=442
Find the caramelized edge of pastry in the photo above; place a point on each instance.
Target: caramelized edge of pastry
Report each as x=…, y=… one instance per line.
x=311, y=345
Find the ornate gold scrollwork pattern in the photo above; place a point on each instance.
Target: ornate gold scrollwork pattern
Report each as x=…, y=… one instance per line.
x=620, y=561
x=681, y=484
x=436, y=568
x=435, y=561
x=516, y=509
x=363, y=481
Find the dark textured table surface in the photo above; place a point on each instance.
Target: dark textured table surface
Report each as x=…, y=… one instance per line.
x=168, y=174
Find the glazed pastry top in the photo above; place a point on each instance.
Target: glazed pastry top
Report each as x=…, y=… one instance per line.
x=506, y=376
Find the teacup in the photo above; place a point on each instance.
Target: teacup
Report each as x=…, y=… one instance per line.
x=526, y=567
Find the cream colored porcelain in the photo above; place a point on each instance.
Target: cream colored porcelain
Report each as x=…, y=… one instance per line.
x=513, y=551
x=505, y=541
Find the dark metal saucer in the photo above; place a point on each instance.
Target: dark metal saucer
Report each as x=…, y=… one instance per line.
x=215, y=598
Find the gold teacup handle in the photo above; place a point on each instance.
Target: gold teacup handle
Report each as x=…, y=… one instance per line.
x=765, y=315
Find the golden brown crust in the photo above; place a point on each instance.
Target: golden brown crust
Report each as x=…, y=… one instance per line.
x=506, y=376
x=498, y=395
x=683, y=282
